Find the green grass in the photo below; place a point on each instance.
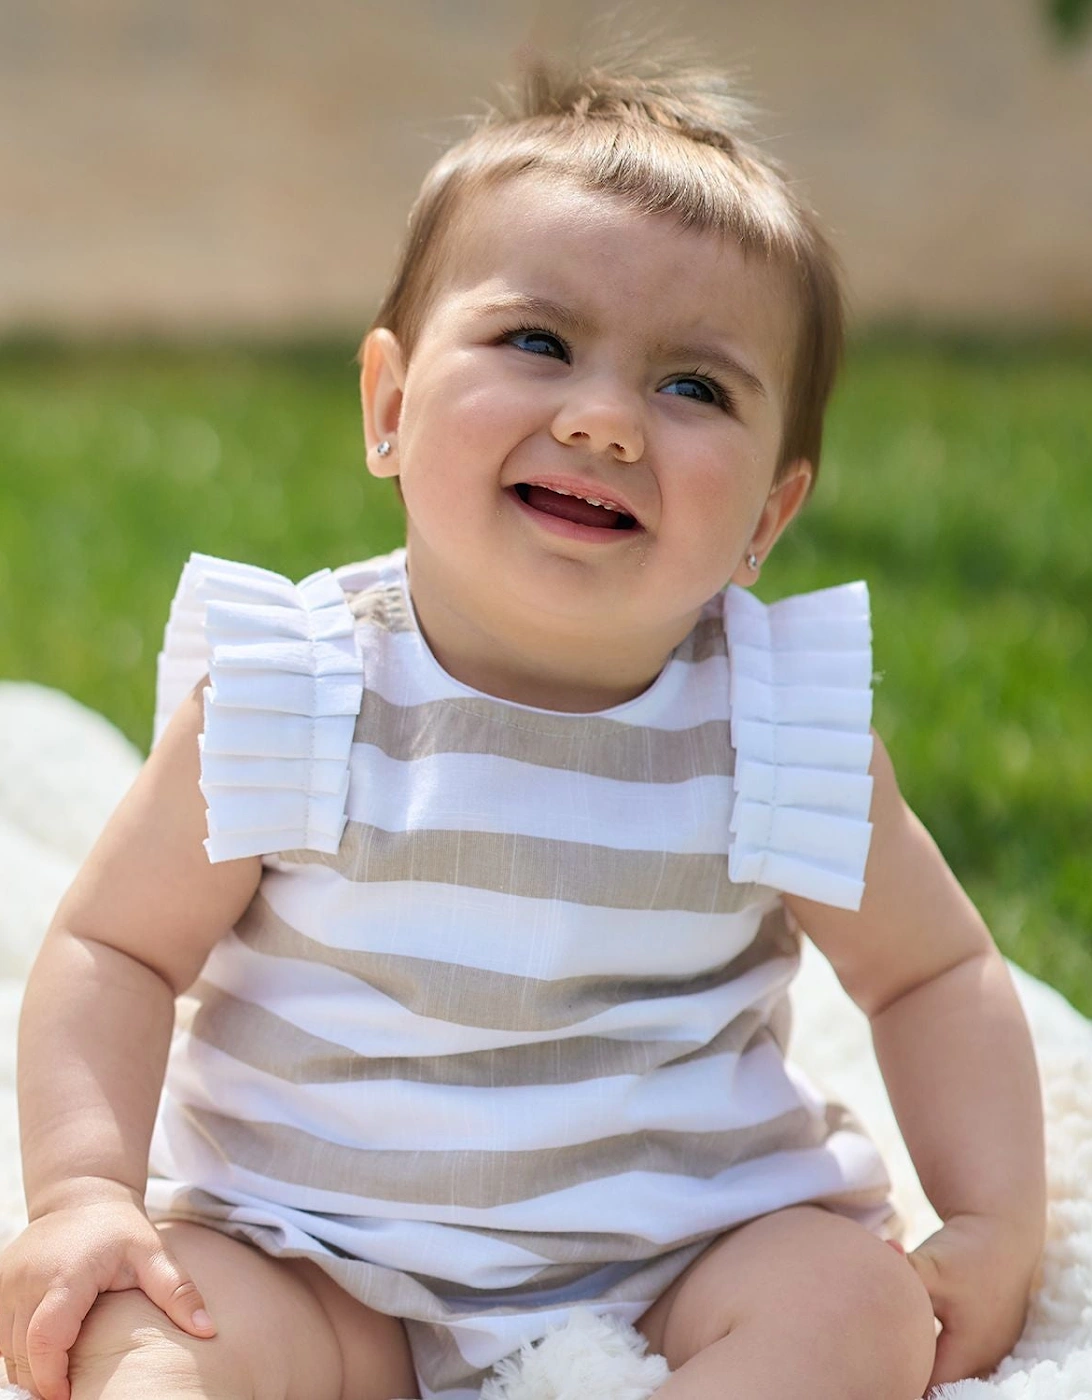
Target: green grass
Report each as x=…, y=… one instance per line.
x=956, y=479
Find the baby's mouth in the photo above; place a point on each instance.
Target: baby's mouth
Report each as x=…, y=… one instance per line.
x=578, y=509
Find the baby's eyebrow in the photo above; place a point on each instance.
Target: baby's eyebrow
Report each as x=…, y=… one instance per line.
x=564, y=316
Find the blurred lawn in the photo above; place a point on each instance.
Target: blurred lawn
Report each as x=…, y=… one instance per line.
x=957, y=479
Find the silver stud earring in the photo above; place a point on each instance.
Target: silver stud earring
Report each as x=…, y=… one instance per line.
x=752, y=563
x=384, y=448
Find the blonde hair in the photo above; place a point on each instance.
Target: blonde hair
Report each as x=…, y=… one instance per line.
x=666, y=135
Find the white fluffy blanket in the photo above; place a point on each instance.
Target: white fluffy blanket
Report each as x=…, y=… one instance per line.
x=63, y=769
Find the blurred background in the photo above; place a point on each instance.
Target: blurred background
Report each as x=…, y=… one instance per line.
x=200, y=206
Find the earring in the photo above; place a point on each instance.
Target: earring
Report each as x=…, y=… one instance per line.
x=752, y=563
x=383, y=450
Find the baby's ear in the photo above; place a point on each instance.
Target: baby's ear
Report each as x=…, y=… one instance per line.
x=382, y=379
x=783, y=504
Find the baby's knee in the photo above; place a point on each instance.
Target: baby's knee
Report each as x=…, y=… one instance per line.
x=861, y=1303
x=128, y=1349
x=886, y=1311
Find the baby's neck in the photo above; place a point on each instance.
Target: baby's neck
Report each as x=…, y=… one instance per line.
x=548, y=667
x=505, y=678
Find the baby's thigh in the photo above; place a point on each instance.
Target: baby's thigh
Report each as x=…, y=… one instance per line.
x=278, y=1337
x=797, y=1271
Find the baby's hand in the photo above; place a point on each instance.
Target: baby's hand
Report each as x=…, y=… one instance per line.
x=53, y=1272
x=979, y=1272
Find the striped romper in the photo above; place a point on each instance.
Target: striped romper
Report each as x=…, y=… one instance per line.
x=503, y=1028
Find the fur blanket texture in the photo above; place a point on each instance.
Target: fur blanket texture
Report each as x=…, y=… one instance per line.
x=64, y=768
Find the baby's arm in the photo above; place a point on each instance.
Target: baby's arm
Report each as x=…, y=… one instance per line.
x=130, y=934
x=958, y=1062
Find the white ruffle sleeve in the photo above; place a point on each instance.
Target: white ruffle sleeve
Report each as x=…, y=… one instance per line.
x=801, y=705
x=287, y=683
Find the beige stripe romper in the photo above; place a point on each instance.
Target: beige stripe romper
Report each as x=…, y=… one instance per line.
x=503, y=1028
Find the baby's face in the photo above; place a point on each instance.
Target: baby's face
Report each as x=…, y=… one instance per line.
x=650, y=376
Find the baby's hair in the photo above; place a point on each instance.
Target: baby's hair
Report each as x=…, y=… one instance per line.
x=665, y=134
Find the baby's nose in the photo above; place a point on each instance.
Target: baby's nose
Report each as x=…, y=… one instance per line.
x=620, y=449
x=601, y=426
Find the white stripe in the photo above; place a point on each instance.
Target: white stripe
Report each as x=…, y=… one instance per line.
x=490, y=930
x=477, y=792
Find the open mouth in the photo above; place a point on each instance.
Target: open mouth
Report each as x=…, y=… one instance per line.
x=580, y=510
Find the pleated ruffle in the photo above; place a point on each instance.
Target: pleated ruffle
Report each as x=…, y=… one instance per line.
x=287, y=683
x=801, y=705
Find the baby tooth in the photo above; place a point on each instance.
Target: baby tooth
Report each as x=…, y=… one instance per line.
x=591, y=500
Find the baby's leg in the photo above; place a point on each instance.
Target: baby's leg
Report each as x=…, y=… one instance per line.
x=799, y=1303
x=285, y=1332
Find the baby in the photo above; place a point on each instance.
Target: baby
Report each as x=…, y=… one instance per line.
x=485, y=864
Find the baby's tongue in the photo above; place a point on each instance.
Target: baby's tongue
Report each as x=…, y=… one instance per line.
x=570, y=508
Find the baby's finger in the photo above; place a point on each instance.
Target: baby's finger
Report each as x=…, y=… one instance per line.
x=169, y=1287
x=18, y=1367
x=6, y=1323
x=9, y=1367
x=52, y=1331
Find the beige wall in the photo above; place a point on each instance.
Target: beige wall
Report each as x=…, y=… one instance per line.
x=194, y=164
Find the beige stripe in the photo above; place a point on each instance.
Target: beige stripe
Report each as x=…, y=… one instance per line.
x=383, y=605
x=555, y=1280
x=537, y=867
x=481, y=1180
x=587, y=1249
x=707, y=639
x=276, y=1047
x=602, y=748
x=470, y=996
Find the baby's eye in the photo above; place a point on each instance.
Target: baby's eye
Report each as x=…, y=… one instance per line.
x=530, y=334
x=711, y=390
